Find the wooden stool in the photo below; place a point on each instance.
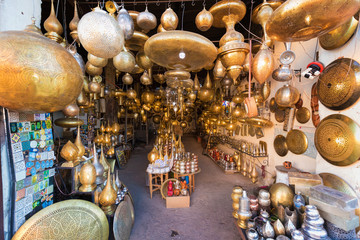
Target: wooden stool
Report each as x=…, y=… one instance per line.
x=154, y=186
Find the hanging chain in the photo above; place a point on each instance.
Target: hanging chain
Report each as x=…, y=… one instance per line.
x=193, y=3
x=158, y=3
x=204, y=3
x=182, y=17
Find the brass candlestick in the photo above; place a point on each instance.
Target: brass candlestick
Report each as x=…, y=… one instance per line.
x=235, y=196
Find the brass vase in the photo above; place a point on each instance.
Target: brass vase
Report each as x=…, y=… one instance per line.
x=74, y=24
x=53, y=26
x=103, y=160
x=244, y=213
x=108, y=197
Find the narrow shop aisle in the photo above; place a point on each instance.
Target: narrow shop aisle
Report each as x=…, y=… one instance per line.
x=209, y=216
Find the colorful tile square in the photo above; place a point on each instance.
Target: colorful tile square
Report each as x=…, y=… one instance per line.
x=27, y=126
x=13, y=127
x=16, y=147
x=20, y=194
x=15, y=137
x=18, y=156
x=24, y=136
x=25, y=145
x=19, y=185
x=33, y=126
x=48, y=124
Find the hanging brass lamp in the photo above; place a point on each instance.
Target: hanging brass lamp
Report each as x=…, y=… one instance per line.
x=53, y=26
x=206, y=93
x=263, y=64
x=74, y=24
x=100, y=34
x=169, y=20
x=204, y=20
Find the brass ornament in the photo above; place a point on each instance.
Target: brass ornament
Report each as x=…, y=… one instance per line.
x=279, y=228
x=124, y=218
x=301, y=21
x=287, y=96
x=126, y=23
x=74, y=24
x=280, y=115
x=52, y=76
x=108, y=197
x=339, y=36
x=127, y=79
x=53, y=26
x=148, y=97
x=160, y=29
x=303, y=115
x=87, y=177
x=272, y=105
x=219, y=70
x=92, y=70
x=124, y=61
x=281, y=193
x=85, y=214
x=265, y=90
x=280, y=145
x=259, y=122
x=78, y=58
x=339, y=84
x=263, y=64
x=80, y=146
x=159, y=78
x=95, y=86
x=296, y=141
x=97, y=61
x=115, y=128
x=71, y=110
x=68, y=122
x=100, y=34
x=180, y=50
x=206, y=93
x=204, y=20
x=153, y=155
x=337, y=140
x=146, y=20
x=145, y=79
x=143, y=61
x=235, y=196
x=131, y=93
x=169, y=20
x=82, y=99
x=104, y=161
x=69, y=152
x=136, y=43
x=227, y=10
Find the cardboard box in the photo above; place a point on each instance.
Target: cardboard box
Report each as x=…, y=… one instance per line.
x=303, y=181
x=178, y=202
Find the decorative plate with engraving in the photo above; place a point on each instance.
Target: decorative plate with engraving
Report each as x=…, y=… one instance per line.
x=124, y=219
x=70, y=219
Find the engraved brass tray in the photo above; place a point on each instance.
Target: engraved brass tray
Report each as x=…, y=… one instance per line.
x=296, y=141
x=259, y=122
x=339, y=36
x=337, y=139
x=180, y=50
x=302, y=115
x=280, y=145
x=302, y=20
x=339, y=84
x=70, y=219
x=124, y=219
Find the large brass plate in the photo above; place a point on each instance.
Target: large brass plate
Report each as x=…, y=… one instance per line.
x=124, y=219
x=70, y=219
x=227, y=10
x=180, y=50
x=296, y=141
x=280, y=145
x=339, y=84
x=280, y=115
x=337, y=139
x=339, y=36
x=302, y=20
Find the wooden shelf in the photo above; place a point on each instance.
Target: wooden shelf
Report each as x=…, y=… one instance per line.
x=220, y=165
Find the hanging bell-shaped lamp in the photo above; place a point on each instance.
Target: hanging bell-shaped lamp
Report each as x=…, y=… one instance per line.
x=219, y=70
x=71, y=110
x=196, y=83
x=124, y=61
x=169, y=20
x=206, y=93
x=204, y=20
x=78, y=57
x=145, y=79
x=143, y=61
x=92, y=70
x=127, y=79
x=97, y=61
x=126, y=23
x=146, y=20
x=100, y=34
x=74, y=24
x=287, y=96
x=263, y=64
x=53, y=26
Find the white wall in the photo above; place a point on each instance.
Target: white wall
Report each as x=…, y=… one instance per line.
x=17, y=14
